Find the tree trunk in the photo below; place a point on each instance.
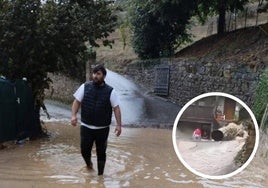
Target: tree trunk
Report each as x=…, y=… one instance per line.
x=37, y=131
x=222, y=12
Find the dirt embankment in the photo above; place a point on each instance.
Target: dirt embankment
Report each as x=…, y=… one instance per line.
x=243, y=45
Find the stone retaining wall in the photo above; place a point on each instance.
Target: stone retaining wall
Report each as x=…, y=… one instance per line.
x=189, y=79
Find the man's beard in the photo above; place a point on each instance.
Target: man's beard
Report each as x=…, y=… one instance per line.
x=98, y=82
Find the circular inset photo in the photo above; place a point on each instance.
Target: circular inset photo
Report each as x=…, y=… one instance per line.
x=215, y=135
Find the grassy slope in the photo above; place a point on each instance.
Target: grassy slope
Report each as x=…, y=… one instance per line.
x=247, y=45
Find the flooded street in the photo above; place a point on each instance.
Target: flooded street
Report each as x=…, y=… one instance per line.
x=140, y=157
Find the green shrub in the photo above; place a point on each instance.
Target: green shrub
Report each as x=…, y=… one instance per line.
x=261, y=96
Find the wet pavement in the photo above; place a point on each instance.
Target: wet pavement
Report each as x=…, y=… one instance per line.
x=140, y=157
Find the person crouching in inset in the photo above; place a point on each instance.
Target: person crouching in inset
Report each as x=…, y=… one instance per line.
x=197, y=134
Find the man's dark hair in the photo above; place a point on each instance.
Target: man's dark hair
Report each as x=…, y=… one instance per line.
x=100, y=68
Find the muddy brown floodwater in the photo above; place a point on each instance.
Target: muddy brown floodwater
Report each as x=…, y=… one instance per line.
x=141, y=157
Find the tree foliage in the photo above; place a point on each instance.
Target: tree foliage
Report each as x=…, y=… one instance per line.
x=37, y=38
x=219, y=7
x=159, y=27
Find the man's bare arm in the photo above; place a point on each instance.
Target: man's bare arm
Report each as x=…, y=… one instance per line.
x=75, y=108
x=117, y=114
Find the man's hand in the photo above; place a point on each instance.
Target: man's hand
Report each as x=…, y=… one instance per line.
x=74, y=121
x=117, y=130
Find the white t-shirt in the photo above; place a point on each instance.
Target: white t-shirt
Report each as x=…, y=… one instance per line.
x=79, y=95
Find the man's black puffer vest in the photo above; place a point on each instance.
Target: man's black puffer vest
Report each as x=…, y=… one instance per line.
x=96, y=107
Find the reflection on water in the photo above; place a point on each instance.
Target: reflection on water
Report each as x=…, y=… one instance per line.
x=139, y=158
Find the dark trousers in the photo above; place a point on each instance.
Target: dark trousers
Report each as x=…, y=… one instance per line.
x=88, y=137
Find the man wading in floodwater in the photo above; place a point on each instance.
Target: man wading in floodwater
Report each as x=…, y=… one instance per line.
x=97, y=100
